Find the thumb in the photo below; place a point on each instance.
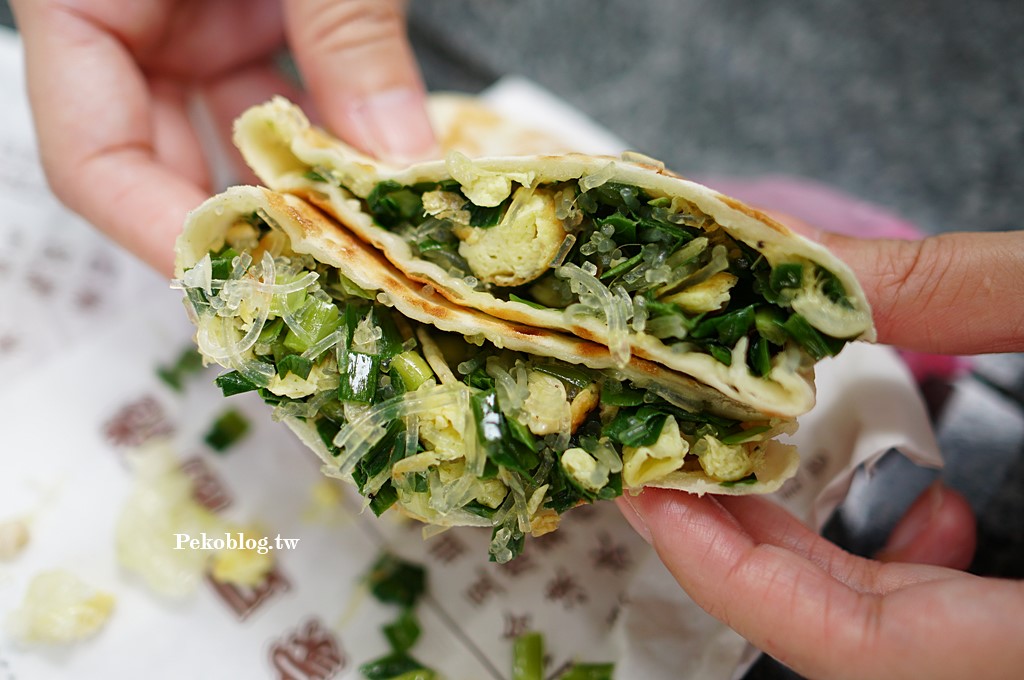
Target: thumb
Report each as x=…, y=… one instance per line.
x=938, y=529
x=958, y=293
x=356, y=60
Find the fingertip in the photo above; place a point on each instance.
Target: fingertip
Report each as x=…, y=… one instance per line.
x=392, y=125
x=633, y=516
x=356, y=59
x=661, y=516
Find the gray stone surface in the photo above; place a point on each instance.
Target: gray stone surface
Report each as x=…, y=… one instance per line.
x=1002, y=372
x=916, y=105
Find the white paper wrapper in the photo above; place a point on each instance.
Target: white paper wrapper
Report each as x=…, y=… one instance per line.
x=82, y=330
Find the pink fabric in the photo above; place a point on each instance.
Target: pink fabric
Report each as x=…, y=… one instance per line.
x=832, y=210
x=817, y=204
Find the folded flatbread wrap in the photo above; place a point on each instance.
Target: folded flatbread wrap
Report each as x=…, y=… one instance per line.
x=454, y=416
x=617, y=251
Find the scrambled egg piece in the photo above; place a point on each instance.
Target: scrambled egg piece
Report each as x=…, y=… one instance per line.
x=242, y=236
x=326, y=502
x=161, y=506
x=547, y=408
x=59, y=608
x=492, y=492
x=542, y=520
x=707, y=296
x=485, y=188
x=488, y=492
x=445, y=205
x=583, y=403
x=420, y=462
x=721, y=461
x=160, y=509
x=444, y=431
x=588, y=472
x=242, y=566
x=13, y=537
x=644, y=464
x=294, y=387
x=521, y=247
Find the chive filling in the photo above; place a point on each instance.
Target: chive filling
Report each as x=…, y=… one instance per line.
x=453, y=431
x=670, y=270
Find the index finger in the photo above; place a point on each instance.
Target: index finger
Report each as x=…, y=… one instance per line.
x=778, y=600
x=957, y=293
x=356, y=60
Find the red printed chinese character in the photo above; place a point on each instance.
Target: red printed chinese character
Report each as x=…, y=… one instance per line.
x=244, y=600
x=483, y=588
x=792, y=488
x=446, y=548
x=610, y=555
x=8, y=343
x=137, y=422
x=564, y=588
x=309, y=653
x=816, y=464
x=515, y=625
x=585, y=513
x=207, y=488
x=55, y=251
x=87, y=300
x=40, y=284
x=520, y=565
x=101, y=262
x=549, y=540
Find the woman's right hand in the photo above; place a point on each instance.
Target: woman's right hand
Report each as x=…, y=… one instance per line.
x=112, y=86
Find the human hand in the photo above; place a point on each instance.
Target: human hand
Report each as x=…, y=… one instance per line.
x=820, y=610
x=826, y=613
x=113, y=85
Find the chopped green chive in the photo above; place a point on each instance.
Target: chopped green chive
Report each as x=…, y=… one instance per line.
x=622, y=267
x=528, y=657
x=588, y=671
x=786, y=276
x=403, y=633
x=749, y=479
x=187, y=363
x=396, y=666
x=359, y=383
x=395, y=581
x=293, y=363
x=809, y=338
x=530, y=303
x=227, y=430
x=233, y=382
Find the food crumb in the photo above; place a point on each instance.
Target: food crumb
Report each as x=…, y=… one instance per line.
x=243, y=565
x=13, y=538
x=60, y=608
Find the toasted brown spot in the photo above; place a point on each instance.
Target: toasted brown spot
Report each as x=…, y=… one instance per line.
x=755, y=214
x=528, y=331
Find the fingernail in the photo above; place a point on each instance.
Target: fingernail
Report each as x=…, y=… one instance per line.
x=393, y=126
x=922, y=513
x=634, y=517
